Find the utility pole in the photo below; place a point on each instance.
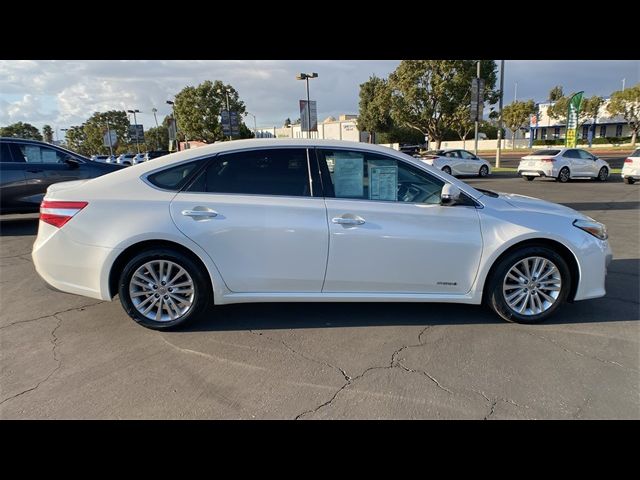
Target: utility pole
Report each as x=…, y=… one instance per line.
x=307, y=76
x=155, y=110
x=226, y=94
x=500, y=115
x=175, y=122
x=477, y=109
x=109, y=137
x=135, y=121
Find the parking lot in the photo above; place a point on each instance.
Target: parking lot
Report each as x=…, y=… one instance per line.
x=70, y=357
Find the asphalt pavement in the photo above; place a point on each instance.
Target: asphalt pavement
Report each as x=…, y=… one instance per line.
x=69, y=357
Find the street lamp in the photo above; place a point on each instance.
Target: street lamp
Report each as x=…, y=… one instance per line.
x=175, y=122
x=155, y=110
x=226, y=93
x=255, y=128
x=307, y=76
x=136, y=123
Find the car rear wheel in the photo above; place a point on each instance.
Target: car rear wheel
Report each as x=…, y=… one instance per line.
x=603, y=174
x=484, y=171
x=630, y=180
x=163, y=288
x=446, y=170
x=528, y=285
x=563, y=176
x=528, y=178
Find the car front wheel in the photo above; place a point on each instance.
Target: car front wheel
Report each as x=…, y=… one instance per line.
x=484, y=171
x=528, y=178
x=529, y=285
x=563, y=176
x=163, y=288
x=446, y=170
x=630, y=180
x=603, y=174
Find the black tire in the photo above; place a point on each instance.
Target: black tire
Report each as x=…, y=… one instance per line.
x=202, y=291
x=630, y=180
x=563, y=176
x=446, y=170
x=603, y=174
x=494, y=295
x=528, y=178
x=484, y=171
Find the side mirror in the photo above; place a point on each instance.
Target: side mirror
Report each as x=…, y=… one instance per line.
x=450, y=194
x=72, y=162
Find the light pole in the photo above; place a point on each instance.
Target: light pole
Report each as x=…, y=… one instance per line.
x=475, y=152
x=155, y=110
x=500, y=114
x=226, y=94
x=307, y=76
x=175, y=122
x=135, y=121
x=65, y=136
x=109, y=137
x=255, y=128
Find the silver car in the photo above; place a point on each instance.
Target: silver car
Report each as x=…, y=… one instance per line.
x=563, y=164
x=458, y=162
x=126, y=159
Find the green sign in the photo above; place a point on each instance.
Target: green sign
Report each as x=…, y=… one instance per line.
x=571, y=139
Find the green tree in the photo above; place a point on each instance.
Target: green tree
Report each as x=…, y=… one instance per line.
x=76, y=140
x=47, y=133
x=96, y=127
x=516, y=115
x=461, y=122
x=157, y=138
x=375, y=106
x=426, y=93
x=556, y=93
x=627, y=104
x=589, y=108
x=197, y=110
x=21, y=130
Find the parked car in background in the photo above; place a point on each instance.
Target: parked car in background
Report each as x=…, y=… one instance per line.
x=563, y=164
x=631, y=168
x=111, y=159
x=458, y=162
x=100, y=158
x=246, y=221
x=126, y=159
x=138, y=158
x=28, y=167
x=155, y=154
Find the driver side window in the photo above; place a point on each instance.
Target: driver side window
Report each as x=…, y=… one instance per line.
x=38, y=154
x=371, y=176
x=466, y=155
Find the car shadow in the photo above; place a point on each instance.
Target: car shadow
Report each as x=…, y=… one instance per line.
x=622, y=303
x=14, y=227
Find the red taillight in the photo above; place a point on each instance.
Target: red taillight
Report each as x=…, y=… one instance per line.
x=548, y=160
x=58, y=213
x=628, y=160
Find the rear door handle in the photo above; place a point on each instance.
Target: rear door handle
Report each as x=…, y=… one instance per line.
x=200, y=214
x=348, y=220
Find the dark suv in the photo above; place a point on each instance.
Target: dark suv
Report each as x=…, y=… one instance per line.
x=28, y=167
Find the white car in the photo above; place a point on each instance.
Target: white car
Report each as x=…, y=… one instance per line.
x=125, y=159
x=563, y=164
x=458, y=162
x=631, y=168
x=301, y=220
x=139, y=158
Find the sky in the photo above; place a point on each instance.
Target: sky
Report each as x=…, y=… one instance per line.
x=65, y=93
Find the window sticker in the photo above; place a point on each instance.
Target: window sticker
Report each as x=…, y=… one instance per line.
x=383, y=182
x=33, y=154
x=348, y=175
x=49, y=156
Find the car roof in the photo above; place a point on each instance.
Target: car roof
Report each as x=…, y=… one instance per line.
x=40, y=142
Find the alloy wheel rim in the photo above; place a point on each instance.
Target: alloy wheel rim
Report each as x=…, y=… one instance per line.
x=564, y=175
x=532, y=286
x=483, y=171
x=162, y=291
x=603, y=173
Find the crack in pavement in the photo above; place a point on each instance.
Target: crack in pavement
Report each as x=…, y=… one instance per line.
x=494, y=402
x=610, y=362
x=54, y=342
x=394, y=363
x=52, y=314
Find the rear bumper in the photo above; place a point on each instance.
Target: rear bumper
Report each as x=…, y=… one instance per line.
x=535, y=173
x=69, y=266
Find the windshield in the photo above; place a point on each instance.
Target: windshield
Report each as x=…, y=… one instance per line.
x=551, y=153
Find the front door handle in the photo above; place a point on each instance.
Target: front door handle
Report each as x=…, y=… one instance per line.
x=355, y=220
x=200, y=214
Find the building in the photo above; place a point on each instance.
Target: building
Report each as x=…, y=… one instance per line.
x=345, y=128
x=606, y=125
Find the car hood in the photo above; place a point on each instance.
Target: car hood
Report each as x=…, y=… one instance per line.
x=533, y=204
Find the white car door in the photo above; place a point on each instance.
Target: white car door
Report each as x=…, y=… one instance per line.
x=575, y=163
x=590, y=164
x=255, y=215
x=388, y=231
x=471, y=164
x=453, y=160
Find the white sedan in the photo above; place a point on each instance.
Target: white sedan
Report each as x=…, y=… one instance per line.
x=458, y=162
x=631, y=168
x=310, y=221
x=563, y=164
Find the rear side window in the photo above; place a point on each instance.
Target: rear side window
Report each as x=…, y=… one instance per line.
x=550, y=153
x=281, y=172
x=174, y=178
x=571, y=154
x=5, y=153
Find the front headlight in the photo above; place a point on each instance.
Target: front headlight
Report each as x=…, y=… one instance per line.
x=596, y=229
